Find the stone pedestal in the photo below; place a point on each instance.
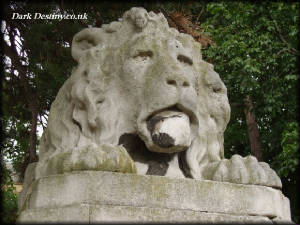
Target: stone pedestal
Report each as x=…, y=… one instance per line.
x=96, y=196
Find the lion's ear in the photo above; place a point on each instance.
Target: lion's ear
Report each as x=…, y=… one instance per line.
x=85, y=40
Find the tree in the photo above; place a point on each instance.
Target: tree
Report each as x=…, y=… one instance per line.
x=257, y=57
x=254, y=48
x=9, y=199
x=36, y=52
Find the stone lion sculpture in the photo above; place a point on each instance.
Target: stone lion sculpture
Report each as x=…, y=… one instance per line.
x=142, y=100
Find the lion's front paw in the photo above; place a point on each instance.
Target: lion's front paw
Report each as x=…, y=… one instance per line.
x=103, y=158
x=243, y=171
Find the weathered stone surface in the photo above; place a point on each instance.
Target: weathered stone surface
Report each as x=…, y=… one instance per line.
x=71, y=214
x=142, y=100
x=89, y=213
x=141, y=77
x=28, y=180
x=135, y=195
x=145, y=214
x=170, y=131
x=241, y=170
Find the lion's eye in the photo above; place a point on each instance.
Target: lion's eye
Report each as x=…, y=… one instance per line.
x=143, y=55
x=185, y=59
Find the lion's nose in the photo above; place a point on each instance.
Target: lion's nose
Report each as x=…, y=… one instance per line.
x=178, y=82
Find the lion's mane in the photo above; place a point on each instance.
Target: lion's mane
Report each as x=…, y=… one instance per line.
x=81, y=111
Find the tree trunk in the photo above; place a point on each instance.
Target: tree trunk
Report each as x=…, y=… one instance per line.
x=253, y=131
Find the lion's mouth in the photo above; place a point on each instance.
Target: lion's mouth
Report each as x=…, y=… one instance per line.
x=170, y=129
x=176, y=108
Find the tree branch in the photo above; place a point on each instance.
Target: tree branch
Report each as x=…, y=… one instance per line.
x=200, y=14
x=32, y=101
x=290, y=49
x=282, y=50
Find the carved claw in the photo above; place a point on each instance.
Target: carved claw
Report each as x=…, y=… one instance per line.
x=92, y=157
x=104, y=158
x=242, y=171
x=238, y=171
x=257, y=173
x=273, y=178
x=221, y=173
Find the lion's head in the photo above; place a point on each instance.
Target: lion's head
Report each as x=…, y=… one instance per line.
x=130, y=76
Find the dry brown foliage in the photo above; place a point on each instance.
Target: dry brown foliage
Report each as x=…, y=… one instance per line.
x=183, y=23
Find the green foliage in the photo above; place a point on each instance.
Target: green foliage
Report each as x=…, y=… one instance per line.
x=289, y=157
x=9, y=198
x=16, y=138
x=257, y=54
x=47, y=47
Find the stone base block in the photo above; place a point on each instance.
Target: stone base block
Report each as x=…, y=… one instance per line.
x=86, y=213
x=96, y=196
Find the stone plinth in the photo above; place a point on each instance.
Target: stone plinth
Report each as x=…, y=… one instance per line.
x=96, y=196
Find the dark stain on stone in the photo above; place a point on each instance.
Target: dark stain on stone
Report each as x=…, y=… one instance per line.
x=131, y=142
x=77, y=124
x=163, y=140
x=157, y=168
x=158, y=162
x=183, y=164
x=151, y=123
